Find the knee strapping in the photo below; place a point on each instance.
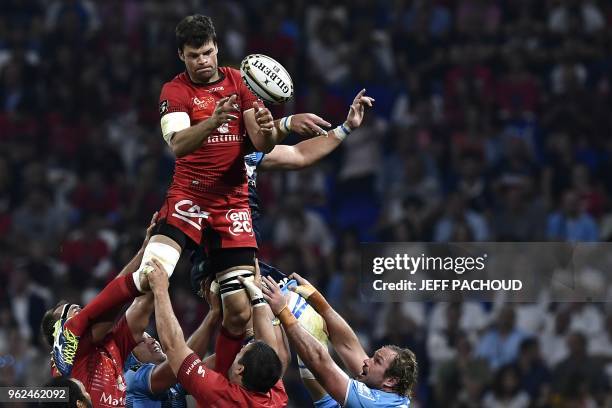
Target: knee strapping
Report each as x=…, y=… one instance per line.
x=229, y=283
x=167, y=255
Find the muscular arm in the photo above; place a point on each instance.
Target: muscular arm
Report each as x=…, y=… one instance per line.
x=170, y=333
x=266, y=332
x=318, y=360
x=261, y=141
x=302, y=155
x=345, y=342
x=189, y=140
x=342, y=336
x=162, y=376
x=105, y=323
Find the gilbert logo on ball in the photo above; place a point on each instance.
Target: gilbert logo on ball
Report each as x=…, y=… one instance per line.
x=266, y=78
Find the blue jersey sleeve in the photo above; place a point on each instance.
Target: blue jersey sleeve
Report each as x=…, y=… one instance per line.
x=254, y=159
x=138, y=382
x=360, y=395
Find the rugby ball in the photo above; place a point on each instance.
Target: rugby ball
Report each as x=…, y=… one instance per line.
x=266, y=78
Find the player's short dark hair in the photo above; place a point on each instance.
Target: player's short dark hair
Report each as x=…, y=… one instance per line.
x=405, y=369
x=74, y=393
x=48, y=321
x=262, y=367
x=195, y=31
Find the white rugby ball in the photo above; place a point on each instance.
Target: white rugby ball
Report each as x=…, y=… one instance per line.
x=266, y=78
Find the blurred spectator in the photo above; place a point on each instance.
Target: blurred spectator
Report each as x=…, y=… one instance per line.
x=553, y=338
x=500, y=344
x=579, y=376
x=533, y=374
x=506, y=391
x=28, y=304
x=571, y=223
x=458, y=220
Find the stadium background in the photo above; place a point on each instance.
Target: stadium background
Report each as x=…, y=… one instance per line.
x=492, y=122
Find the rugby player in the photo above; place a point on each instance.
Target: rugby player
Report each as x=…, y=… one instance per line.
x=254, y=377
x=149, y=377
x=384, y=380
x=210, y=120
x=98, y=361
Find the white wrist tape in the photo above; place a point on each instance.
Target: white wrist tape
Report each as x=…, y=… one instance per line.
x=342, y=131
x=285, y=124
x=255, y=293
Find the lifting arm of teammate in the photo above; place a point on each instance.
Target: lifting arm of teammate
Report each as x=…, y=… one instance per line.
x=342, y=336
x=141, y=307
x=169, y=330
x=308, y=152
x=314, y=354
x=162, y=376
x=262, y=319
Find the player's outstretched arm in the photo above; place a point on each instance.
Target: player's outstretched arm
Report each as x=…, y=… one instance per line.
x=141, y=308
x=314, y=355
x=310, y=151
x=342, y=336
x=162, y=376
x=170, y=332
x=189, y=139
x=262, y=318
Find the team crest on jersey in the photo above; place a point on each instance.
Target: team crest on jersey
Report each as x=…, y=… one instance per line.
x=224, y=128
x=203, y=102
x=163, y=107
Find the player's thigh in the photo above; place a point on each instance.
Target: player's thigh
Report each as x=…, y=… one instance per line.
x=182, y=218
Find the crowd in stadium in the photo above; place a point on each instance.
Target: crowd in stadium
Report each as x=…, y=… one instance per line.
x=492, y=123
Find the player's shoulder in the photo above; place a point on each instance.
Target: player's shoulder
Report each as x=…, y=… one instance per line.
x=179, y=83
x=230, y=72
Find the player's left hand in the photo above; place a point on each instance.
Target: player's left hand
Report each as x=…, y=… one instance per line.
x=357, y=109
x=211, y=294
x=158, y=278
x=149, y=231
x=308, y=124
x=273, y=295
x=264, y=119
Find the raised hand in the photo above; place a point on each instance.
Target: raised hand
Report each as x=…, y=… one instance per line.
x=308, y=124
x=273, y=295
x=357, y=109
x=157, y=276
x=264, y=119
x=225, y=110
x=149, y=230
x=304, y=288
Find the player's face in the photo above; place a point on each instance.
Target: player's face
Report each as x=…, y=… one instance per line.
x=201, y=62
x=149, y=350
x=87, y=403
x=373, y=370
x=235, y=372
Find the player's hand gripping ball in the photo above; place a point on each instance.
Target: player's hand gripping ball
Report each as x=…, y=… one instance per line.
x=266, y=78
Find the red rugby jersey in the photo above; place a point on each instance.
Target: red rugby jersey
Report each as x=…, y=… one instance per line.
x=217, y=167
